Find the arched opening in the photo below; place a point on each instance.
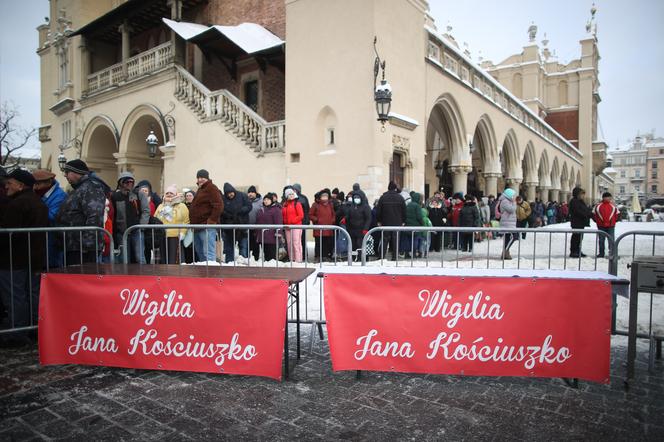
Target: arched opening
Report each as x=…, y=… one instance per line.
x=510, y=160
x=529, y=168
x=139, y=163
x=444, y=144
x=484, y=156
x=100, y=147
x=544, y=170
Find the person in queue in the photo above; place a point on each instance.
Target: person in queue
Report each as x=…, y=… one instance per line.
x=270, y=213
x=236, y=211
x=172, y=210
x=293, y=214
x=322, y=213
x=23, y=254
x=391, y=211
x=256, y=204
x=130, y=207
x=580, y=215
x=506, y=215
x=48, y=188
x=84, y=207
x=206, y=208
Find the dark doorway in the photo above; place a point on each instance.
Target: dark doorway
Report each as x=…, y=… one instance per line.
x=473, y=187
x=397, y=170
x=446, y=178
x=251, y=94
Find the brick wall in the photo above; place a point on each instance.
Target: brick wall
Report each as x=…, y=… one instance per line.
x=271, y=14
x=566, y=123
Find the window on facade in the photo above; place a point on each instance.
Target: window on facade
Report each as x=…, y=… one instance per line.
x=637, y=173
x=622, y=189
x=66, y=132
x=622, y=174
x=653, y=188
x=637, y=188
x=653, y=175
x=251, y=94
x=654, y=164
x=330, y=136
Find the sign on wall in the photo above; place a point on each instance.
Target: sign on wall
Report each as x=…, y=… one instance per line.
x=469, y=325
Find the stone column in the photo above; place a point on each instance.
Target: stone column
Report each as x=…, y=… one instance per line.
x=85, y=64
x=543, y=193
x=554, y=194
x=125, y=30
x=460, y=178
x=564, y=196
x=178, y=44
x=491, y=183
x=531, y=192
x=513, y=183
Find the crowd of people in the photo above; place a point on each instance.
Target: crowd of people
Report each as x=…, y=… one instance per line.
x=37, y=200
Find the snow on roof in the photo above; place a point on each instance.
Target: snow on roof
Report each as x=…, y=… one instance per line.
x=250, y=37
x=404, y=118
x=184, y=29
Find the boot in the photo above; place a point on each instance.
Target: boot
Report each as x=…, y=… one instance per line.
x=506, y=255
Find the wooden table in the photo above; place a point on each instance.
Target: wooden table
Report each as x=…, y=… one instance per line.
x=293, y=275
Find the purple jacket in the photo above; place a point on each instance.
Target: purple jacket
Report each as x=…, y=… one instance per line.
x=268, y=215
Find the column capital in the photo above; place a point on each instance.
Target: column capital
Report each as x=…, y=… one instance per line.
x=456, y=169
x=124, y=27
x=492, y=174
x=513, y=180
x=531, y=183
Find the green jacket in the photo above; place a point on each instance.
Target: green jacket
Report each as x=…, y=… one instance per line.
x=414, y=211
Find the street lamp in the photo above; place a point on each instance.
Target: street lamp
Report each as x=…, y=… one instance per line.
x=62, y=161
x=382, y=91
x=152, y=142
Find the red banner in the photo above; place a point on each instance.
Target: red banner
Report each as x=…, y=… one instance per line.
x=469, y=325
x=165, y=323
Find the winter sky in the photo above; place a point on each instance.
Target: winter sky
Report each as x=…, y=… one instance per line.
x=629, y=32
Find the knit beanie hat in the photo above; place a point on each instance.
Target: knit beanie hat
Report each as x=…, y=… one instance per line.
x=172, y=189
x=76, y=166
x=509, y=193
x=203, y=174
x=251, y=189
x=126, y=175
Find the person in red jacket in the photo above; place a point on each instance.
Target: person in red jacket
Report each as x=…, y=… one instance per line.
x=605, y=215
x=293, y=214
x=322, y=213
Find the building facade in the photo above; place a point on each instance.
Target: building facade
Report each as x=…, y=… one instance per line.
x=218, y=97
x=638, y=169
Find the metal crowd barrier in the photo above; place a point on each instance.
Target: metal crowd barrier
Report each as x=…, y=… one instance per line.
x=14, y=279
x=625, y=253
x=555, y=247
x=313, y=308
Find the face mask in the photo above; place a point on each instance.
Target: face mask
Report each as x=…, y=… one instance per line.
x=357, y=200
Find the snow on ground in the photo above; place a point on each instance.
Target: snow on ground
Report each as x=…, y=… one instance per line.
x=541, y=251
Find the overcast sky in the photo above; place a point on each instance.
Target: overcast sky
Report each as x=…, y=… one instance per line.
x=630, y=37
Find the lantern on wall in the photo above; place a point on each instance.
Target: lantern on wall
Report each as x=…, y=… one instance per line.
x=382, y=91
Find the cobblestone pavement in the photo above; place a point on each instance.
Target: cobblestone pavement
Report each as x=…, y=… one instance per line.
x=98, y=403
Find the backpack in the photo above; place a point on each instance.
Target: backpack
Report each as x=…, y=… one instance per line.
x=497, y=210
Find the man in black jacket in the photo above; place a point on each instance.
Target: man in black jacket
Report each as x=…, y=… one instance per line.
x=19, y=276
x=236, y=211
x=580, y=215
x=391, y=211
